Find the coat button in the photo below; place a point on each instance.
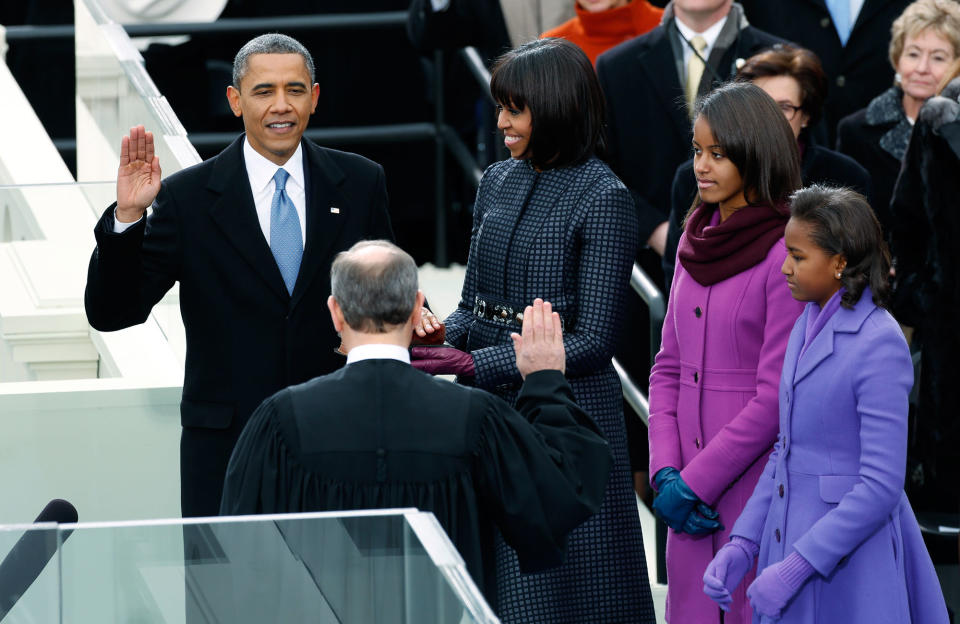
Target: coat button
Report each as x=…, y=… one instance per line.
x=696, y=377
x=697, y=311
x=841, y=81
x=825, y=22
x=777, y=534
x=780, y=490
x=696, y=442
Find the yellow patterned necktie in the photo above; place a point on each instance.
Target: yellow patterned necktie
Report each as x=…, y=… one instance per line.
x=695, y=69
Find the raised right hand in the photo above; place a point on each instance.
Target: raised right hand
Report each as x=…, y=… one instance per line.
x=539, y=346
x=138, y=177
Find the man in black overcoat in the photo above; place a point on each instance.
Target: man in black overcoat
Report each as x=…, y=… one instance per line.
x=381, y=434
x=251, y=248
x=858, y=70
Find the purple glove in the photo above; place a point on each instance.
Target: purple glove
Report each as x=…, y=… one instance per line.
x=727, y=569
x=442, y=361
x=777, y=584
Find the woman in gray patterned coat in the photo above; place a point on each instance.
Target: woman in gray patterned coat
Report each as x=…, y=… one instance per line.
x=554, y=222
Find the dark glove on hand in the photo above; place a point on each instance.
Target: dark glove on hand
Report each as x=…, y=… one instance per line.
x=679, y=507
x=703, y=520
x=442, y=361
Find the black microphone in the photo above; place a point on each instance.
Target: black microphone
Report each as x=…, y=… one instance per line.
x=29, y=556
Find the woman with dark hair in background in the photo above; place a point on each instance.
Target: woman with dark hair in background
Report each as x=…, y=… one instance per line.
x=924, y=41
x=836, y=537
x=713, y=388
x=794, y=78
x=554, y=222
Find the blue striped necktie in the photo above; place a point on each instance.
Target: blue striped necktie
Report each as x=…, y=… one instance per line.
x=286, y=241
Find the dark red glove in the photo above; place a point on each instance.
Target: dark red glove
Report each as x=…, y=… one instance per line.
x=442, y=361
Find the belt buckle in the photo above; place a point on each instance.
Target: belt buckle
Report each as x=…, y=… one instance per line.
x=479, y=307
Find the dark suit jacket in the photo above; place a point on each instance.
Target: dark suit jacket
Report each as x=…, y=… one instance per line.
x=381, y=434
x=818, y=166
x=648, y=127
x=858, y=71
x=246, y=336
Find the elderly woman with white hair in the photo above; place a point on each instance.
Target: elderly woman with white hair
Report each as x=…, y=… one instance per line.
x=924, y=42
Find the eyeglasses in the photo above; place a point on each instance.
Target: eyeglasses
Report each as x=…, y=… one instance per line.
x=789, y=110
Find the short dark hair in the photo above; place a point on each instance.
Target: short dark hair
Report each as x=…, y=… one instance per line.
x=842, y=222
x=270, y=43
x=753, y=133
x=555, y=79
x=800, y=64
x=374, y=293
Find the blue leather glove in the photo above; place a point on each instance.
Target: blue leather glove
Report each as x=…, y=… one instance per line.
x=679, y=507
x=726, y=570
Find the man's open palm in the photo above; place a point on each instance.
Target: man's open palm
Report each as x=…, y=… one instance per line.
x=138, y=177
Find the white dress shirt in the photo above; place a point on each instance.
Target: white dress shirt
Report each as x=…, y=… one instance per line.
x=378, y=352
x=709, y=35
x=260, y=172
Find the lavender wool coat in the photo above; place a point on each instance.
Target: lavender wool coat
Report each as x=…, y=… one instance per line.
x=713, y=410
x=833, y=487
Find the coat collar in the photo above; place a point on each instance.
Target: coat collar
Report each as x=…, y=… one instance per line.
x=844, y=321
x=234, y=213
x=887, y=109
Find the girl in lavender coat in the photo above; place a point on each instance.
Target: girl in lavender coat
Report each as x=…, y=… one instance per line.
x=836, y=537
x=713, y=388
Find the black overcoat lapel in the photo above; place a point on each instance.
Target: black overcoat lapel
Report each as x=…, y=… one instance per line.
x=327, y=212
x=658, y=63
x=235, y=214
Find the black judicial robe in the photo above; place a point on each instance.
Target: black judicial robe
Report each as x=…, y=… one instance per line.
x=381, y=434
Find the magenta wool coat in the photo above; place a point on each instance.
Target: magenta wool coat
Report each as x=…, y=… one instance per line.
x=713, y=410
x=833, y=488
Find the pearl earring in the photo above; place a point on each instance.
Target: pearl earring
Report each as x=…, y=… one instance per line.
x=838, y=275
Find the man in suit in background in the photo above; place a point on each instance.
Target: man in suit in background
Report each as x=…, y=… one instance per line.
x=851, y=38
x=249, y=235
x=650, y=83
x=381, y=434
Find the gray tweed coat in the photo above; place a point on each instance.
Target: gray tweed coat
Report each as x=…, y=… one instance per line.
x=568, y=236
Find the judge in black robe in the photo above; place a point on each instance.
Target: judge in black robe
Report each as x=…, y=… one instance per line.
x=381, y=434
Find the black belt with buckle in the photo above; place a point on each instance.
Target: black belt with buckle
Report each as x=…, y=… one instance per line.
x=499, y=311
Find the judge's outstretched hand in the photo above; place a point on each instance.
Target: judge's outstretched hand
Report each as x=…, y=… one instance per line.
x=540, y=345
x=138, y=177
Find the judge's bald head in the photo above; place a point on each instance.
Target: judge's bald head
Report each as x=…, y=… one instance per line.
x=375, y=284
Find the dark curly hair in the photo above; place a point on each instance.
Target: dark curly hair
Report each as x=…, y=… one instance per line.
x=842, y=222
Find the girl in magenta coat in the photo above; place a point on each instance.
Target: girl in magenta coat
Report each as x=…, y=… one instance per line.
x=836, y=538
x=713, y=388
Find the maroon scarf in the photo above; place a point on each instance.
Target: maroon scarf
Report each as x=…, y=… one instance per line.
x=712, y=253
